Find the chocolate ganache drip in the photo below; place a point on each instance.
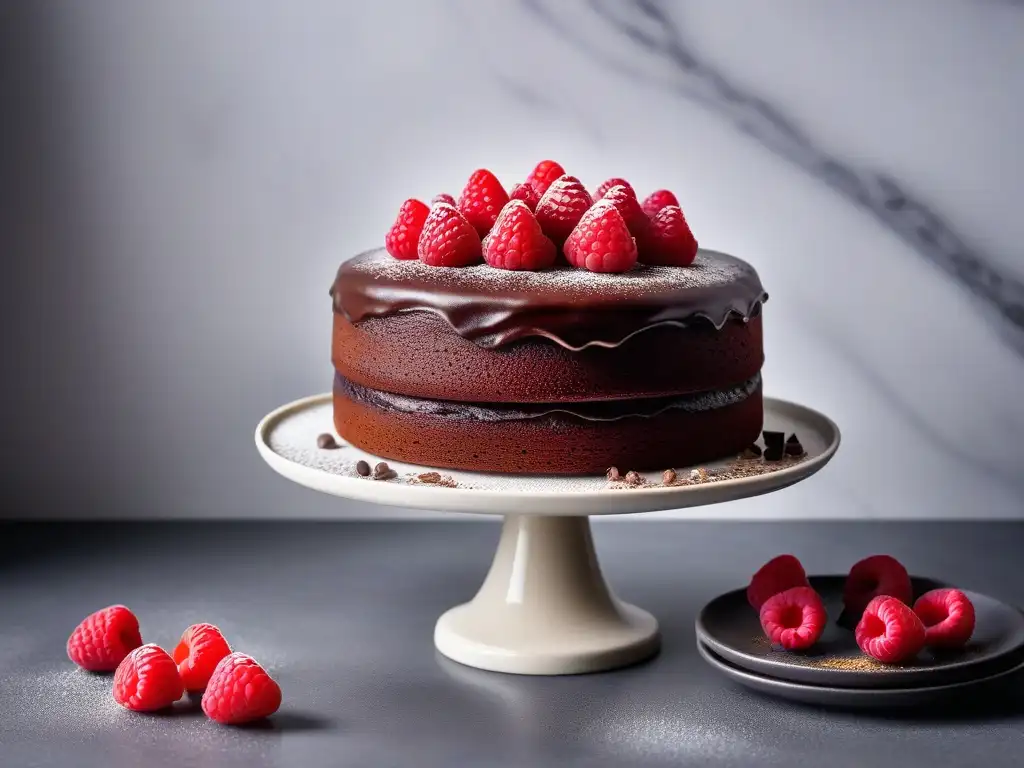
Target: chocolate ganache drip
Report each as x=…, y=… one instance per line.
x=572, y=307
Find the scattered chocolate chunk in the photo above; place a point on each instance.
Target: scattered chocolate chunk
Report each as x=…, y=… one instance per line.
x=793, y=446
x=429, y=477
x=772, y=439
x=383, y=472
x=634, y=478
x=363, y=468
x=774, y=452
x=613, y=475
x=668, y=476
x=326, y=441
x=752, y=451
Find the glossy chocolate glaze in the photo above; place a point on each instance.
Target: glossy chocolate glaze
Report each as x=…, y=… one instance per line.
x=572, y=307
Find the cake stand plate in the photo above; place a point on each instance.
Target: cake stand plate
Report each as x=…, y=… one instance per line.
x=544, y=607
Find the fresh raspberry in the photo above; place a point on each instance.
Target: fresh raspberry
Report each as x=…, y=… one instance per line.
x=948, y=618
x=448, y=240
x=657, y=200
x=527, y=194
x=404, y=234
x=671, y=242
x=873, y=576
x=544, y=175
x=104, y=638
x=601, y=242
x=517, y=242
x=777, y=575
x=889, y=630
x=603, y=189
x=794, y=619
x=482, y=200
x=201, y=647
x=240, y=691
x=147, y=680
x=624, y=198
x=443, y=197
x=560, y=208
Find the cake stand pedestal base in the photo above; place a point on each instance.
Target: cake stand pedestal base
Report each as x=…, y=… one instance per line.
x=545, y=608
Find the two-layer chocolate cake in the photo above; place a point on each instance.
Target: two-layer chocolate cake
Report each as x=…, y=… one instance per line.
x=546, y=369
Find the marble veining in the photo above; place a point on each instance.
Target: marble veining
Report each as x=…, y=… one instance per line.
x=649, y=25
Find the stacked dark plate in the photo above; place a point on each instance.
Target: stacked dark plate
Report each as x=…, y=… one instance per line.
x=836, y=673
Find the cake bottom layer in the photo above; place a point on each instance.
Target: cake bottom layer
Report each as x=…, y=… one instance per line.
x=644, y=435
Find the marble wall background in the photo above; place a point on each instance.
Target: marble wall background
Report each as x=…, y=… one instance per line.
x=182, y=179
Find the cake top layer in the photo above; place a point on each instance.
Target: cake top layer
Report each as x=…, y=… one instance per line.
x=572, y=307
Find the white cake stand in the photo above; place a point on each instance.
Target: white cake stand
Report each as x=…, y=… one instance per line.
x=544, y=607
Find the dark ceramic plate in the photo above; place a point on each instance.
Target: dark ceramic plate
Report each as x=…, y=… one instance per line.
x=731, y=628
x=864, y=698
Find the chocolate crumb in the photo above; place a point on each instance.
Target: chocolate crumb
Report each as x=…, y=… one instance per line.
x=363, y=468
x=668, y=476
x=326, y=441
x=699, y=475
x=429, y=477
x=634, y=478
x=613, y=475
x=793, y=446
x=752, y=451
x=774, y=452
x=383, y=472
x=772, y=439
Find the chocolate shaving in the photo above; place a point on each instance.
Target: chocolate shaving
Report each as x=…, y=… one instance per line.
x=634, y=478
x=668, y=476
x=613, y=475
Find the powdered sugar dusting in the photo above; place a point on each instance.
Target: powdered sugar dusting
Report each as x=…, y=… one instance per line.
x=708, y=270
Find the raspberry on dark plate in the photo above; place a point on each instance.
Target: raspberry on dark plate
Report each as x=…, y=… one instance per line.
x=777, y=575
x=794, y=619
x=101, y=641
x=873, y=576
x=889, y=630
x=948, y=618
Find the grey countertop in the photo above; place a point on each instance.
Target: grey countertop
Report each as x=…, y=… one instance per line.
x=343, y=614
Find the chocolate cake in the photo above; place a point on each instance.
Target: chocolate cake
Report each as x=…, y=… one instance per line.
x=558, y=371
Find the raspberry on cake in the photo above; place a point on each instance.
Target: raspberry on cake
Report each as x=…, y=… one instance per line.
x=609, y=184
x=448, y=239
x=670, y=242
x=544, y=175
x=639, y=226
x=482, y=200
x=517, y=242
x=402, y=239
x=527, y=194
x=562, y=206
x=657, y=200
x=601, y=242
